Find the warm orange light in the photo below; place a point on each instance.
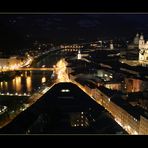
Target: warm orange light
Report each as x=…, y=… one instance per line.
x=60, y=70
x=29, y=83
x=43, y=79
x=18, y=83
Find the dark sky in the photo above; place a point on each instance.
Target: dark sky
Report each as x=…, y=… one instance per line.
x=18, y=29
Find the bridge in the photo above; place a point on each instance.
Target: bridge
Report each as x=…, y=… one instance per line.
x=34, y=68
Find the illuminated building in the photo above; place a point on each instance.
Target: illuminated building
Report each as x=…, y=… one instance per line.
x=143, y=46
x=8, y=63
x=96, y=44
x=143, y=129
x=78, y=119
x=71, y=48
x=130, y=118
x=113, y=86
x=79, y=55
x=133, y=85
x=125, y=115
x=106, y=75
x=111, y=46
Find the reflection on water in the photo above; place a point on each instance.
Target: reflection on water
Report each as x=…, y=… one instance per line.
x=29, y=83
x=25, y=73
x=43, y=79
x=6, y=85
x=1, y=85
x=18, y=85
x=26, y=82
x=13, y=84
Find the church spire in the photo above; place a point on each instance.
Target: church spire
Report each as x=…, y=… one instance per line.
x=79, y=54
x=141, y=37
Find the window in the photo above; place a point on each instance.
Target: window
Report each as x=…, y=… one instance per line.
x=65, y=90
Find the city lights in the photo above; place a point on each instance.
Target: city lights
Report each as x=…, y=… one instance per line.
x=55, y=58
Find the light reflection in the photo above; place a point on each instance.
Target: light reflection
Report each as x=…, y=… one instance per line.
x=1, y=84
x=29, y=83
x=43, y=79
x=13, y=84
x=18, y=83
x=6, y=85
x=25, y=73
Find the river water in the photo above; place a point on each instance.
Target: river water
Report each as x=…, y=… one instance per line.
x=28, y=81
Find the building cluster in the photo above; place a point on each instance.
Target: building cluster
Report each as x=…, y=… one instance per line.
x=79, y=119
x=140, y=44
x=133, y=119
x=71, y=48
x=9, y=63
x=143, y=46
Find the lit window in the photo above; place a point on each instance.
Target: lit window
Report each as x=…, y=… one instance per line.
x=105, y=75
x=65, y=90
x=135, y=119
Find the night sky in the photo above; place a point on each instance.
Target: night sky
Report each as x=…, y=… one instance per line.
x=17, y=30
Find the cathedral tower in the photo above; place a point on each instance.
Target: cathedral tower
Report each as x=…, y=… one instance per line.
x=79, y=55
x=141, y=42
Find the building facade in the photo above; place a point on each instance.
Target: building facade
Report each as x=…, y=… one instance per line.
x=71, y=48
x=9, y=63
x=143, y=49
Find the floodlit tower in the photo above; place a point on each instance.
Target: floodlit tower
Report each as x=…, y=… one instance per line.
x=79, y=55
x=111, y=45
x=141, y=48
x=141, y=42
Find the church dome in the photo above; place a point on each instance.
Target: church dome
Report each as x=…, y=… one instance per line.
x=137, y=35
x=136, y=39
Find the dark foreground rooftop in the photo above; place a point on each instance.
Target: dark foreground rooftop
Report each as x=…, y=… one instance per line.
x=65, y=109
